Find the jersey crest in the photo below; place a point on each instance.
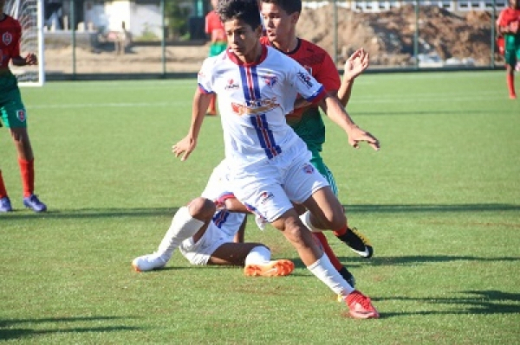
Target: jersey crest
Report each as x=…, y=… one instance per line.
x=7, y=38
x=20, y=114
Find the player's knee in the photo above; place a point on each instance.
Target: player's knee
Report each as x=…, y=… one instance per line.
x=202, y=208
x=297, y=233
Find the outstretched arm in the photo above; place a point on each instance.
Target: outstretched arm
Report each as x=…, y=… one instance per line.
x=186, y=145
x=356, y=64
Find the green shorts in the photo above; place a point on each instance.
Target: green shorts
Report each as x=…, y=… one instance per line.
x=512, y=50
x=217, y=48
x=12, y=110
x=324, y=170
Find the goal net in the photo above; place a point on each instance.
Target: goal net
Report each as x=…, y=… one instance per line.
x=30, y=15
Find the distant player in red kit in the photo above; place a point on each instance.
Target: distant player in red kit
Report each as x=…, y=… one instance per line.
x=12, y=111
x=508, y=23
x=215, y=30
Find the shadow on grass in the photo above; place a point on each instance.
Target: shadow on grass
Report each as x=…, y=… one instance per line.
x=169, y=212
x=420, y=259
x=354, y=261
x=471, y=302
x=15, y=333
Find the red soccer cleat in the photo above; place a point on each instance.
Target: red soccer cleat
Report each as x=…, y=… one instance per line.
x=361, y=306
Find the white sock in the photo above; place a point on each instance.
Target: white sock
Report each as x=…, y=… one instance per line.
x=183, y=226
x=325, y=272
x=259, y=255
x=306, y=220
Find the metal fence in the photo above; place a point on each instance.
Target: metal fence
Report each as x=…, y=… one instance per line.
x=162, y=38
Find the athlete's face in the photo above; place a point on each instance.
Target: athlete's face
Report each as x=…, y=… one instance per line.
x=243, y=40
x=514, y=4
x=279, y=24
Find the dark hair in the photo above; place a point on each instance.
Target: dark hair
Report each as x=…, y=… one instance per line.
x=289, y=6
x=244, y=10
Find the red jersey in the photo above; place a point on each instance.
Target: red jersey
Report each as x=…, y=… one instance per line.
x=315, y=60
x=508, y=16
x=213, y=24
x=10, y=34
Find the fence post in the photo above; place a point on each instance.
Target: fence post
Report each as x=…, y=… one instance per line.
x=73, y=30
x=163, y=39
x=335, y=24
x=416, y=35
x=493, y=34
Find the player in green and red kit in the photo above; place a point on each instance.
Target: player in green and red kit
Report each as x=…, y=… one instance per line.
x=215, y=29
x=508, y=23
x=12, y=111
x=280, y=18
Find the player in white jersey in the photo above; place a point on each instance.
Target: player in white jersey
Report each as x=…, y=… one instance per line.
x=257, y=86
x=205, y=236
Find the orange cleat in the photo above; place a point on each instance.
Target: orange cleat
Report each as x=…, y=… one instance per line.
x=277, y=268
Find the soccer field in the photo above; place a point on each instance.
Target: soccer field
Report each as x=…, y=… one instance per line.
x=440, y=203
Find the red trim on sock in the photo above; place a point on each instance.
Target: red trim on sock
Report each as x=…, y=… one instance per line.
x=3, y=191
x=511, y=84
x=341, y=231
x=322, y=239
x=27, y=174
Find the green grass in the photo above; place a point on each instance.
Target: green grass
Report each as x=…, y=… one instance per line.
x=440, y=203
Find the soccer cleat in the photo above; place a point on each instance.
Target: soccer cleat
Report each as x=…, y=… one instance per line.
x=34, y=203
x=360, y=306
x=357, y=242
x=512, y=96
x=148, y=262
x=5, y=204
x=275, y=268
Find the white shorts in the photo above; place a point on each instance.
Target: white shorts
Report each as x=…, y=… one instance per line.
x=221, y=230
x=268, y=189
x=199, y=253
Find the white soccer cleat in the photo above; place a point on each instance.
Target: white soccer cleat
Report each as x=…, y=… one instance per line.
x=148, y=262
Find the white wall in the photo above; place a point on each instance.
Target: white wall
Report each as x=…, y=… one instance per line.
x=111, y=14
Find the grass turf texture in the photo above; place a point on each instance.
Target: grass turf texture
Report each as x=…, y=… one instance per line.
x=440, y=203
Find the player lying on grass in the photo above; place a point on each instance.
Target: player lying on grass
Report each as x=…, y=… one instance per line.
x=213, y=243
x=205, y=236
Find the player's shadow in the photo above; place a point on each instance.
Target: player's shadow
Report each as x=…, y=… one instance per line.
x=354, y=261
x=20, y=214
x=410, y=260
x=9, y=328
x=461, y=303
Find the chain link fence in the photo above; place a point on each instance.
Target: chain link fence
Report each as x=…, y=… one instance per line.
x=163, y=38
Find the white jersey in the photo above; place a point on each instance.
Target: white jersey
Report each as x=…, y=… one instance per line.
x=253, y=101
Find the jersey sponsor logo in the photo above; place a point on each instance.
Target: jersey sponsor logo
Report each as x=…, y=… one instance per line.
x=254, y=107
x=305, y=78
x=231, y=84
x=308, y=168
x=7, y=38
x=20, y=114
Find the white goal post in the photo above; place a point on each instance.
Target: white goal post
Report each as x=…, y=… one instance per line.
x=30, y=15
